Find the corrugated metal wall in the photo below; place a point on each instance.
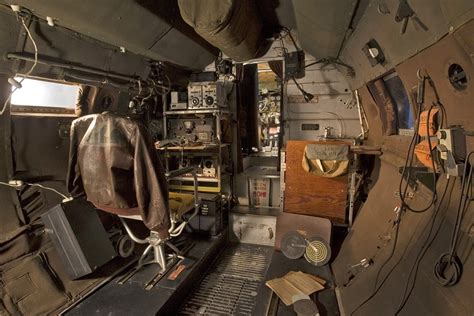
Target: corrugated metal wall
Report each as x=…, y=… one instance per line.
x=332, y=105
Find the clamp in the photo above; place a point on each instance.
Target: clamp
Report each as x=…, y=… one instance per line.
x=404, y=13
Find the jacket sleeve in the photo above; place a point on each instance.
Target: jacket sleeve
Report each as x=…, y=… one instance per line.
x=150, y=186
x=74, y=179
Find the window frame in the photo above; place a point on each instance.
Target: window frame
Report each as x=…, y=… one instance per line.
x=40, y=110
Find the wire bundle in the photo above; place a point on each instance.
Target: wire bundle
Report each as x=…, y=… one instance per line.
x=403, y=189
x=448, y=268
x=22, y=19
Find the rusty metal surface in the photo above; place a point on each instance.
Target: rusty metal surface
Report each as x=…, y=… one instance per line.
x=370, y=239
x=373, y=113
x=438, y=17
x=386, y=106
x=374, y=224
x=456, y=48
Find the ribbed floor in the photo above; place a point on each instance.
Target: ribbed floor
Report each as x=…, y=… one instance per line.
x=230, y=287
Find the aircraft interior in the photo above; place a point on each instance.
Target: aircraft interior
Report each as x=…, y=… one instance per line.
x=236, y=157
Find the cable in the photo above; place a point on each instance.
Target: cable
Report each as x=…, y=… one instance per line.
x=36, y=185
x=330, y=60
x=377, y=288
x=29, y=71
x=424, y=248
x=449, y=261
x=411, y=148
x=392, y=252
x=306, y=95
x=407, y=166
x=288, y=33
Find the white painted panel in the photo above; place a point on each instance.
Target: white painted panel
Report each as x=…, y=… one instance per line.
x=253, y=229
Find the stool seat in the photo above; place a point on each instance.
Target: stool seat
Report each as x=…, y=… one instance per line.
x=179, y=204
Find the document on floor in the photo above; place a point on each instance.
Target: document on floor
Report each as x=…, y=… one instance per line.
x=295, y=286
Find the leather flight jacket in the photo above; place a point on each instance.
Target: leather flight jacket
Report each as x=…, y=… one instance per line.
x=112, y=163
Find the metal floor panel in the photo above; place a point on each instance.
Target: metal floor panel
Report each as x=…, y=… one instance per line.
x=231, y=285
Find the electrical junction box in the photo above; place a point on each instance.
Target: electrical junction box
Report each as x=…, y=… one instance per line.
x=452, y=147
x=179, y=100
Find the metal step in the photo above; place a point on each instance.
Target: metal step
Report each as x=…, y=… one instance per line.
x=231, y=284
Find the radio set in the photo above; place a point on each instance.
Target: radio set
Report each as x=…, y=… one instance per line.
x=193, y=130
x=202, y=96
x=208, y=95
x=206, y=168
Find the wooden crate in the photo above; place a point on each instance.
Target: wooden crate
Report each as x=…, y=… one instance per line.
x=308, y=194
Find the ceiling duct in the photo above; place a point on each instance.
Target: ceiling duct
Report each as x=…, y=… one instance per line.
x=233, y=26
x=151, y=29
x=322, y=25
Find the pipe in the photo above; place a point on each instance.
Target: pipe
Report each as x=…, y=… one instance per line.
x=131, y=234
x=362, y=118
x=65, y=65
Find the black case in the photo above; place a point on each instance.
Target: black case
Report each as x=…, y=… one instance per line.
x=210, y=219
x=78, y=236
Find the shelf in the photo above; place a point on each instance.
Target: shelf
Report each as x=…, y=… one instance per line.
x=259, y=172
x=208, y=147
x=200, y=179
x=193, y=112
x=256, y=210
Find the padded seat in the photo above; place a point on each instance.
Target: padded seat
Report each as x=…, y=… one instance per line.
x=179, y=204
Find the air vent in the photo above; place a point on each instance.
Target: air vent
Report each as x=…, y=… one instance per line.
x=457, y=77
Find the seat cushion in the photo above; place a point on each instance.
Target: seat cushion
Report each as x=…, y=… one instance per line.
x=180, y=203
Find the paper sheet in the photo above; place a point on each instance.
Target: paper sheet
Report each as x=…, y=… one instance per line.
x=295, y=285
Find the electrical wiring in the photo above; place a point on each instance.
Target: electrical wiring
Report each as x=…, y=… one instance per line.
x=39, y=186
x=392, y=252
x=29, y=71
x=307, y=96
x=410, y=285
x=410, y=154
x=288, y=33
x=327, y=61
x=377, y=288
x=449, y=261
x=402, y=192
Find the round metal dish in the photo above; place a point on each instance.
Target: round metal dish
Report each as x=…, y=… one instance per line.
x=293, y=245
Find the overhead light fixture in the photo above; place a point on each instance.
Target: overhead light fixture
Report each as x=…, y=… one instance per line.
x=306, y=95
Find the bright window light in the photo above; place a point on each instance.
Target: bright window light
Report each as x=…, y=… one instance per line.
x=45, y=94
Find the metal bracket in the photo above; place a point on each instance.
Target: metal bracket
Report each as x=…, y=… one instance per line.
x=419, y=175
x=404, y=13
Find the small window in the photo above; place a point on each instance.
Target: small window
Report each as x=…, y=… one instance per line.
x=35, y=94
x=398, y=94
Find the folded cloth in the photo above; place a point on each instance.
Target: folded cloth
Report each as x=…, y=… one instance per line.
x=326, y=160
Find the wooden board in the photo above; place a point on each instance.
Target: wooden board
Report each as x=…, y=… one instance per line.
x=308, y=194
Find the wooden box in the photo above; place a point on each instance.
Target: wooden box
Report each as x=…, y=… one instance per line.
x=307, y=194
